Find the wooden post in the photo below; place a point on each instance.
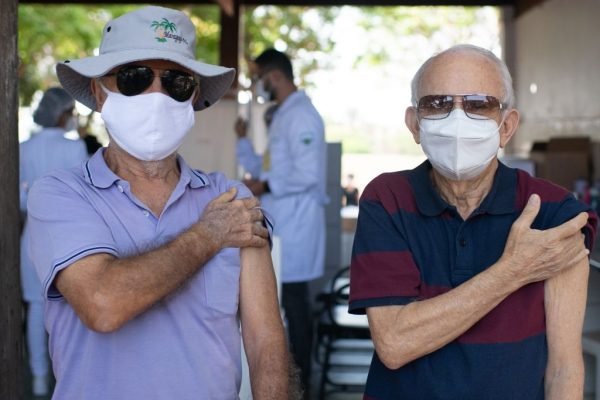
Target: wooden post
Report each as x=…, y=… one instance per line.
x=11, y=330
x=229, y=43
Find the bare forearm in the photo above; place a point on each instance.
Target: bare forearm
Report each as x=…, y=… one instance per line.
x=565, y=299
x=565, y=382
x=403, y=334
x=262, y=328
x=108, y=292
x=269, y=374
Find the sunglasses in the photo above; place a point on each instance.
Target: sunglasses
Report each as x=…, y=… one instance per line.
x=476, y=106
x=135, y=79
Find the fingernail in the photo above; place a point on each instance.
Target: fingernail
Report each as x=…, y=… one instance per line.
x=533, y=199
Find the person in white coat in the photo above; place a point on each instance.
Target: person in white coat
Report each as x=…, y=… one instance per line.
x=290, y=178
x=45, y=151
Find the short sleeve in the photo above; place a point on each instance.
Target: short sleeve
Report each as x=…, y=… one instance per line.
x=570, y=207
x=382, y=271
x=243, y=193
x=63, y=228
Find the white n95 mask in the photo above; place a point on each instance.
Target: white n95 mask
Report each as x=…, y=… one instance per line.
x=148, y=126
x=459, y=147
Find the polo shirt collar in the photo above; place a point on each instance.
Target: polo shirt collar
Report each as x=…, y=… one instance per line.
x=500, y=200
x=502, y=197
x=97, y=173
x=52, y=131
x=429, y=202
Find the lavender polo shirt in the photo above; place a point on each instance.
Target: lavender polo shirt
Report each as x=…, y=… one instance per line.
x=186, y=346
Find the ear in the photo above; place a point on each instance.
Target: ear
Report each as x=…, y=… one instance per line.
x=412, y=122
x=509, y=126
x=98, y=93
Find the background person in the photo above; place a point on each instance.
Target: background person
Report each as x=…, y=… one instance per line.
x=45, y=151
x=349, y=192
x=149, y=267
x=291, y=182
x=245, y=151
x=473, y=275
x=91, y=141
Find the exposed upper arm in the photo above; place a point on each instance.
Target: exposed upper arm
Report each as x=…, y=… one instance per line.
x=259, y=308
x=565, y=299
x=262, y=328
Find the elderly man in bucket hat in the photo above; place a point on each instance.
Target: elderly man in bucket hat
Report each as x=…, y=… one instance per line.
x=149, y=267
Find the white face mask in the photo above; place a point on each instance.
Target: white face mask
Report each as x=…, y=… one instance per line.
x=459, y=147
x=148, y=126
x=262, y=92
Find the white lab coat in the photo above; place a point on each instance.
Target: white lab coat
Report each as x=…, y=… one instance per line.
x=294, y=165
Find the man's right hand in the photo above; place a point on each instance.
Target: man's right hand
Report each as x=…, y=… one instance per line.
x=533, y=255
x=233, y=223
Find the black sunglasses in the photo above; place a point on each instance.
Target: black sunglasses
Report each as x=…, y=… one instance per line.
x=476, y=106
x=135, y=79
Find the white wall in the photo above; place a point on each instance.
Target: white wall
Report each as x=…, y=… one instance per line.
x=210, y=146
x=557, y=48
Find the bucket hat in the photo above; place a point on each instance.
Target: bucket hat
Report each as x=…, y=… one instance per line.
x=148, y=33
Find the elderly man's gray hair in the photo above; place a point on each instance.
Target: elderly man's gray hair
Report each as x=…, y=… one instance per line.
x=508, y=97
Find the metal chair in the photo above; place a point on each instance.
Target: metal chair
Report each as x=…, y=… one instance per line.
x=343, y=347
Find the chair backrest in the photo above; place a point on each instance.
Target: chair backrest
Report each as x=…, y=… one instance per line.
x=336, y=303
x=340, y=286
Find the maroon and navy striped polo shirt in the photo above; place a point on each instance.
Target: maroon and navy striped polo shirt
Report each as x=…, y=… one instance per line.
x=411, y=245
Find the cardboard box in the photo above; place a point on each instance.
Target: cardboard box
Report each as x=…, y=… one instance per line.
x=564, y=160
x=349, y=224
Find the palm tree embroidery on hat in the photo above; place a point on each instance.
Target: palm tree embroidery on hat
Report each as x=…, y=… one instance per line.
x=164, y=30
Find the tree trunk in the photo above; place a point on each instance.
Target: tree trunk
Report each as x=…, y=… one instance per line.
x=11, y=334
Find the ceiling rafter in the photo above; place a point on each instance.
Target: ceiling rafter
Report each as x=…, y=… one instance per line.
x=228, y=6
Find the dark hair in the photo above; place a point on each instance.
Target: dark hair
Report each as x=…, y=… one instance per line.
x=273, y=59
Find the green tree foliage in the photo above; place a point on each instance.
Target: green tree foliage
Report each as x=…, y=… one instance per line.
x=438, y=25
x=49, y=33
x=301, y=32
